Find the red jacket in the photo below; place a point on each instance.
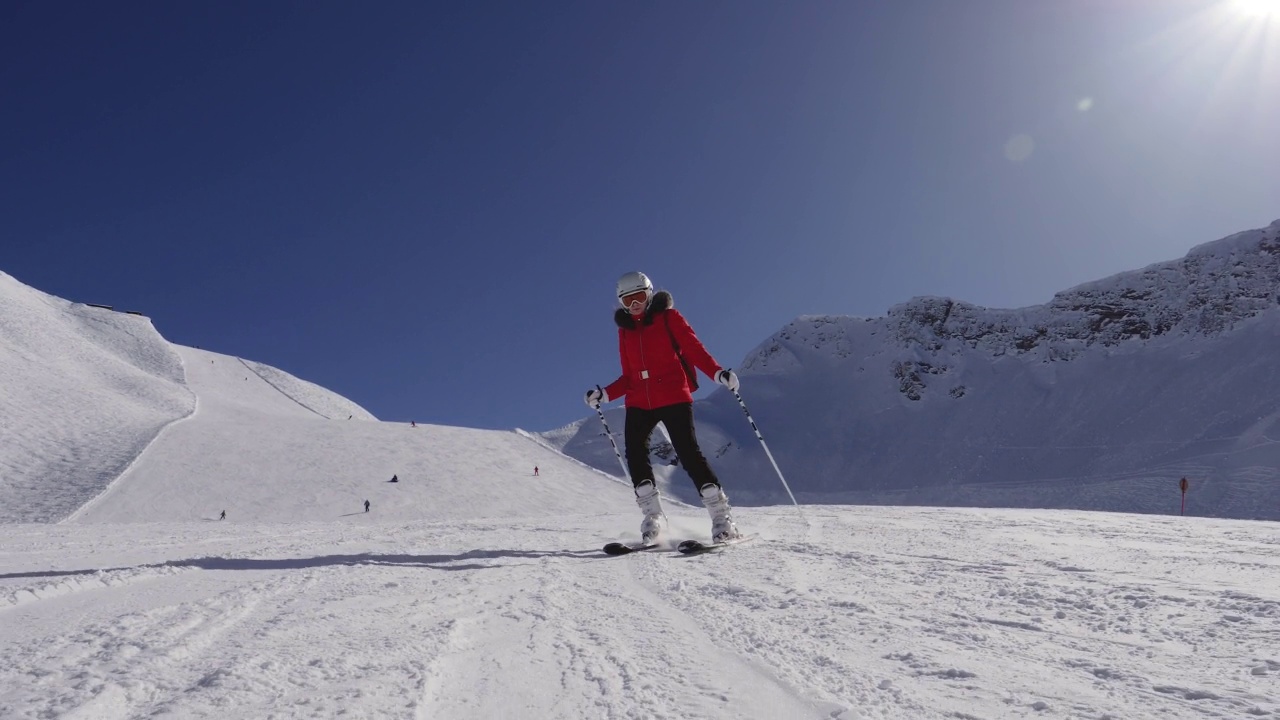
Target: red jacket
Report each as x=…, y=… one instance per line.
x=652, y=376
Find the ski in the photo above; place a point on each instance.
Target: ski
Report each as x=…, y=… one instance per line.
x=617, y=548
x=697, y=547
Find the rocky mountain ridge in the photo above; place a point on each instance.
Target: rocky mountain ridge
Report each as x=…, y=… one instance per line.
x=1102, y=398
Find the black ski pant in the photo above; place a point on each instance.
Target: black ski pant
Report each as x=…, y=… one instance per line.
x=678, y=419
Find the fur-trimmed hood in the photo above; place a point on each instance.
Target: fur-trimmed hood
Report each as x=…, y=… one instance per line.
x=660, y=302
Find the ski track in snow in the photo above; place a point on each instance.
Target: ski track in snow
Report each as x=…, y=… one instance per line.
x=867, y=613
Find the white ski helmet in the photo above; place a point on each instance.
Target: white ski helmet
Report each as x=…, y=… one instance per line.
x=634, y=282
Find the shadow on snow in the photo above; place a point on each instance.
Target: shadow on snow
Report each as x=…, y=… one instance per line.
x=439, y=562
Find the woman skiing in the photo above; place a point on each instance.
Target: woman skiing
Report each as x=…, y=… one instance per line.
x=659, y=352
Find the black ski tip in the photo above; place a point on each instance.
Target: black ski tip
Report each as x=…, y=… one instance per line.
x=617, y=548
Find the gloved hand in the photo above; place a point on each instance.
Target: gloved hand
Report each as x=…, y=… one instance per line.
x=728, y=378
x=595, y=396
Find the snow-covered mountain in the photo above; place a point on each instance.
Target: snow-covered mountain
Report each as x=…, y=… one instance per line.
x=106, y=421
x=1103, y=398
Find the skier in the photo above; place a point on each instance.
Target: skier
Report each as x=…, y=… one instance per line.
x=535, y=471
x=366, y=506
x=657, y=347
x=223, y=516
x=394, y=478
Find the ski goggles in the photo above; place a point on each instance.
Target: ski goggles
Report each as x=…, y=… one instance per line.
x=639, y=296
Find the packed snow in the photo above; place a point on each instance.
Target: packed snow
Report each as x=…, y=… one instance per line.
x=474, y=588
x=860, y=613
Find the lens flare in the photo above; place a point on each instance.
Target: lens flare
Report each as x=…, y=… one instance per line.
x=1019, y=148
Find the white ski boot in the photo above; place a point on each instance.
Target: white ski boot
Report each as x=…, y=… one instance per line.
x=722, y=526
x=650, y=502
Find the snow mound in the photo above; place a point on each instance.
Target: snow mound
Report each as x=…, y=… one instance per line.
x=85, y=389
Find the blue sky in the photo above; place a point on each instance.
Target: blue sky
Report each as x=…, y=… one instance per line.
x=424, y=206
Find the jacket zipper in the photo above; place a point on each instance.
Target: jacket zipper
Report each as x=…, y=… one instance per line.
x=644, y=370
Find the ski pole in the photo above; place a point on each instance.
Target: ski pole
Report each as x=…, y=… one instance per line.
x=767, y=453
x=625, y=474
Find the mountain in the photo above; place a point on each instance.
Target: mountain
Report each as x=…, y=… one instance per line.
x=105, y=421
x=1101, y=399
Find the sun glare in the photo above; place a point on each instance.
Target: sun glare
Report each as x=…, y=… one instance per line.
x=1257, y=8
x=1219, y=63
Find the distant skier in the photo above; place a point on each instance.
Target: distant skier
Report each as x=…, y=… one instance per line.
x=657, y=345
x=413, y=423
x=395, y=478
x=366, y=506
x=535, y=471
x=223, y=516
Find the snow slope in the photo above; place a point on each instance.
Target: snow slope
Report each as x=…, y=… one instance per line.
x=263, y=456
x=1102, y=399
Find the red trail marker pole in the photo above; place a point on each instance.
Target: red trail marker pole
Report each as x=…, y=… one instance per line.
x=1183, y=485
